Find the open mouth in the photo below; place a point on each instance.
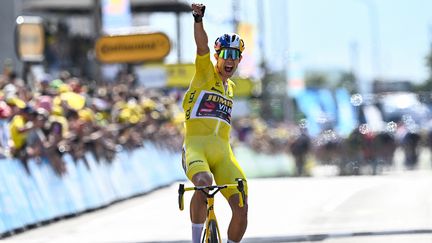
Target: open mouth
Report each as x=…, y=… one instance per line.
x=228, y=69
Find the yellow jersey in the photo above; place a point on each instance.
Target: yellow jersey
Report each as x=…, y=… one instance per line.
x=208, y=102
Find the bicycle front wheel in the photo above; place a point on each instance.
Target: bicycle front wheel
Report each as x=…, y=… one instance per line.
x=214, y=235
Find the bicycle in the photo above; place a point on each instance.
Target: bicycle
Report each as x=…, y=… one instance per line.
x=211, y=232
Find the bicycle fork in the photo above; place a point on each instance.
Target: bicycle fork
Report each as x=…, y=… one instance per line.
x=211, y=217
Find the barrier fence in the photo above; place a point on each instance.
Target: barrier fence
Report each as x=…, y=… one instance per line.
x=31, y=200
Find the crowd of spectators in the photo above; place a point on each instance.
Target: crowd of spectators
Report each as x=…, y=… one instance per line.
x=363, y=151
x=59, y=115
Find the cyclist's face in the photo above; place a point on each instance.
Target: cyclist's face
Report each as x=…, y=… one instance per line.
x=227, y=62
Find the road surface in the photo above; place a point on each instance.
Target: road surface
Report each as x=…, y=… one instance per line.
x=395, y=207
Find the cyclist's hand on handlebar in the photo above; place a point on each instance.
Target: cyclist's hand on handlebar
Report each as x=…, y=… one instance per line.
x=198, y=10
x=240, y=187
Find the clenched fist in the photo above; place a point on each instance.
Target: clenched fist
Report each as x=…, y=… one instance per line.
x=198, y=10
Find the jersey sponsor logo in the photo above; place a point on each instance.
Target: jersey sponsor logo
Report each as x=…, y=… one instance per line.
x=188, y=113
x=192, y=96
x=212, y=105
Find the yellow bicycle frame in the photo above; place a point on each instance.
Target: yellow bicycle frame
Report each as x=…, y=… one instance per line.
x=211, y=216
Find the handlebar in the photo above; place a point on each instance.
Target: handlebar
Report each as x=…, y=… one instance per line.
x=207, y=190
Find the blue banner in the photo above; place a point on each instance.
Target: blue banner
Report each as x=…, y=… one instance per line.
x=308, y=103
x=346, y=113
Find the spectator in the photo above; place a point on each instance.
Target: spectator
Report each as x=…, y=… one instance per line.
x=40, y=143
x=410, y=145
x=44, y=88
x=5, y=114
x=299, y=148
x=73, y=142
x=385, y=146
x=13, y=85
x=19, y=128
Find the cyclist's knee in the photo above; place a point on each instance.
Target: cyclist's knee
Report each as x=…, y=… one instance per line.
x=202, y=179
x=238, y=211
x=241, y=211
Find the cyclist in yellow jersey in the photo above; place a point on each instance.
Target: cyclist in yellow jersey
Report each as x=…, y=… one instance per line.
x=208, y=103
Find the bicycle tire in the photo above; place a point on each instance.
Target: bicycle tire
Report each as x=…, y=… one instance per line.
x=214, y=237
x=204, y=236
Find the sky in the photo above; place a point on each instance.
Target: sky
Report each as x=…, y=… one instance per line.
x=387, y=39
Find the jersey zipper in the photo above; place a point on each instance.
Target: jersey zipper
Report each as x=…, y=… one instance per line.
x=217, y=128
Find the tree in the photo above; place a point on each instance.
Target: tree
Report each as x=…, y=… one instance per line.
x=347, y=80
x=316, y=79
x=331, y=80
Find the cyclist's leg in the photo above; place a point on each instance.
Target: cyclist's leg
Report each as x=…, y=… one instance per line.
x=226, y=173
x=198, y=171
x=198, y=206
x=238, y=224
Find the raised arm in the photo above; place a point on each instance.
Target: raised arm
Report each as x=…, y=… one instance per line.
x=201, y=39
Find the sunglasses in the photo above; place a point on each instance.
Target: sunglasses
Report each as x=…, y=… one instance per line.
x=229, y=53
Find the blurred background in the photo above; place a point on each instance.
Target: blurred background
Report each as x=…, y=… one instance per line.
x=326, y=89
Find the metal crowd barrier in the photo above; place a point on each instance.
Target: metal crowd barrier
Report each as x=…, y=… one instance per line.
x=31, y=200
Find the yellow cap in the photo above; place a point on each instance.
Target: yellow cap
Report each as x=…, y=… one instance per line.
x=73, y=100
x=148, y=104
x=86, y=115
x=15, y=101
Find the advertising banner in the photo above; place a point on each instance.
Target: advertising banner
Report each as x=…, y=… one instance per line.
x=132, y=48
x=30, y=38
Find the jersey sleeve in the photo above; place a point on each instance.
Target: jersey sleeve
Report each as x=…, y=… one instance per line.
x=203, y=70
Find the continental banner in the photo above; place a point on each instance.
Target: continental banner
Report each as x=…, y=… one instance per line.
x=132, y=48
